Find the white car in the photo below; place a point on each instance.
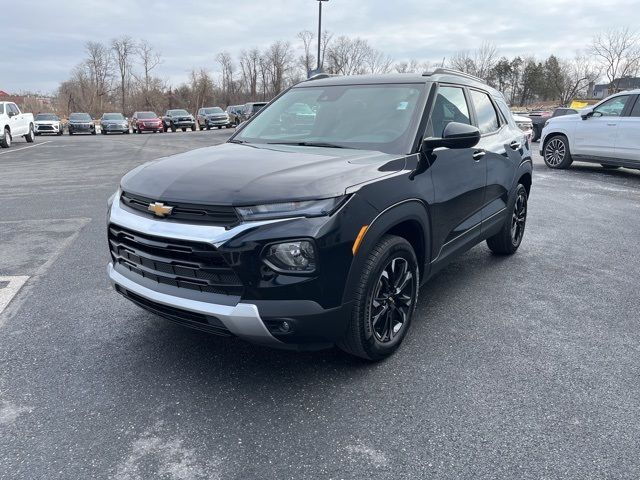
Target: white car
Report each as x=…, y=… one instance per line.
x=48, y=123
x=607, y=133
x=14, y=123
x=525, y=124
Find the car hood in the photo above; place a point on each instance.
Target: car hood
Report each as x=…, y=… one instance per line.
x=46, y=122
x=565, y=118
x=235, y=174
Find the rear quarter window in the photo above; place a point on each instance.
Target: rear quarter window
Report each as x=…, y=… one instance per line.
x=485, y=112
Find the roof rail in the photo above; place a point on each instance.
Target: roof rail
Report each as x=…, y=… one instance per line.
x=449, y=71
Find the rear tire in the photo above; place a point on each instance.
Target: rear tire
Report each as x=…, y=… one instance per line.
x=610, y=167
x=29, y=137
x=384, y=301
x=193, y=128
x=509, y=238
x=556, y=153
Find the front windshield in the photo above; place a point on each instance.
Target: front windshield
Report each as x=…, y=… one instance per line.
x=80, y=117
x=113, y=116
x=146, y=115
x=209, y=111
x=370, y=117
x=178, y=112
x=47, y=117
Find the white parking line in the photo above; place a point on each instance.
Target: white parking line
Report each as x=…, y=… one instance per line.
x=9, y=287
x=12, y=150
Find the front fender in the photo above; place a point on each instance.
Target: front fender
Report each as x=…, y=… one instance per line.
x=412, y=212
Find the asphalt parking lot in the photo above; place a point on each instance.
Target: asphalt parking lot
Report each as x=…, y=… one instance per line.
x=515, y=368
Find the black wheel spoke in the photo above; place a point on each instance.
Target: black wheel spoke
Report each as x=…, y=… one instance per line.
x=392, y=299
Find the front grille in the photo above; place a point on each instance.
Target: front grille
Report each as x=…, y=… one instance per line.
x=179, y=263
x=184, y=119
x=45, y=127
x=221, y=216
x=184, y=317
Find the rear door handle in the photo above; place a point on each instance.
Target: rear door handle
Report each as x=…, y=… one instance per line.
x=515, y=145
x=478, y=154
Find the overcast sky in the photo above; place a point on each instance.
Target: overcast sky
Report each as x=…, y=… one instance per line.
x=41, y=41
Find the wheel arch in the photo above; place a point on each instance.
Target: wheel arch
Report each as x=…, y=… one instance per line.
x=410, y=220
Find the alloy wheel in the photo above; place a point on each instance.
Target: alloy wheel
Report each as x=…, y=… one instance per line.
x=392, y=300
x=519, y=218
x=555, y=152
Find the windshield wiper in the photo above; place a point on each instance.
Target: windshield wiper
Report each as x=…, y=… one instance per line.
x=237, y=141
x=308, y=144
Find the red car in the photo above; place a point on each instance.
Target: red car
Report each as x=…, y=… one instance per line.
x=146, y=121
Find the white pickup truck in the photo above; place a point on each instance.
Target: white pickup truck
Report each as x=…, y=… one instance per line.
x=14, y=123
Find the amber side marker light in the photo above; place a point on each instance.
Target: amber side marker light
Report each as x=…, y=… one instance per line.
x=358, y=241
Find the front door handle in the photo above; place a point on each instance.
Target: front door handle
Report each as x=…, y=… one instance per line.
x=612, y=124
x=478, y=154
x=515, y=145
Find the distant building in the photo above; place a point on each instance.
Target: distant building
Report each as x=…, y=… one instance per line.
x=603, y=90
x=3, y=94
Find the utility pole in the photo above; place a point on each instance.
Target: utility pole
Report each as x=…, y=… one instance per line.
x=319, y=67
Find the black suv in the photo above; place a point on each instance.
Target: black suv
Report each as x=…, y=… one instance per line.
x=309, y=234
x=250, y=109
x=178, y=118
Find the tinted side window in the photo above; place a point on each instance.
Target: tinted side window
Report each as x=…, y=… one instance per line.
x=450, y=106
x=636, y=109
x=485, y=111
x=13, y=108
x=612, y=107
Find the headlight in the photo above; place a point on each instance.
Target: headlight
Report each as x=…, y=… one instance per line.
x=546, y=123
x=296, y=256
x=311, y=208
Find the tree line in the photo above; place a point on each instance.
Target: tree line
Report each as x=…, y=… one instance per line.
x=121, y=75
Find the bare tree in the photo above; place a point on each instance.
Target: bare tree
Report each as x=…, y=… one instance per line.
x=250, y=66
x=479, y=62
x=411, y=66
x=123, y=49
x=618, y=52
x=149, y=60
x=228, y=70
x=378, y=62
x=100, y=66
x=278, y=64
x=307, y=60
x=348, y=56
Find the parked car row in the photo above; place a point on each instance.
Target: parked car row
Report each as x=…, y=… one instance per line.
x=143, y=121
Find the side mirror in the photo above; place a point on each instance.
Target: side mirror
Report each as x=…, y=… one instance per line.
x=11, y=114
x=455, y=135
x=586, y=113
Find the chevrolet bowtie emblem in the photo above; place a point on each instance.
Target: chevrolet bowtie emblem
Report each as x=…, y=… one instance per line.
x=160, y=209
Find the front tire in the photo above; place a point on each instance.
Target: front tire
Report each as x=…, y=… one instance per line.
x=556, y=152
x=5, y=140
x=509, y=238
x=536, y=134
x=385, y=300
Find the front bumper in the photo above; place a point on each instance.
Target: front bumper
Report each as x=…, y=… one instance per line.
x=242, y=320
x=47, y=128
x=114, y=128
x=150, y=126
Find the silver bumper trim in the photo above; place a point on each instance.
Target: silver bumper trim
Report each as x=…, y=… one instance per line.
x=216, y=236
x=243, y=320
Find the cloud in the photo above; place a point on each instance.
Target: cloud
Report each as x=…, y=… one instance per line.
x=48, y=42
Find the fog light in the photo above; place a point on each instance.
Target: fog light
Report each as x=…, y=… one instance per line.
x=285, y=327
x=296, y=256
